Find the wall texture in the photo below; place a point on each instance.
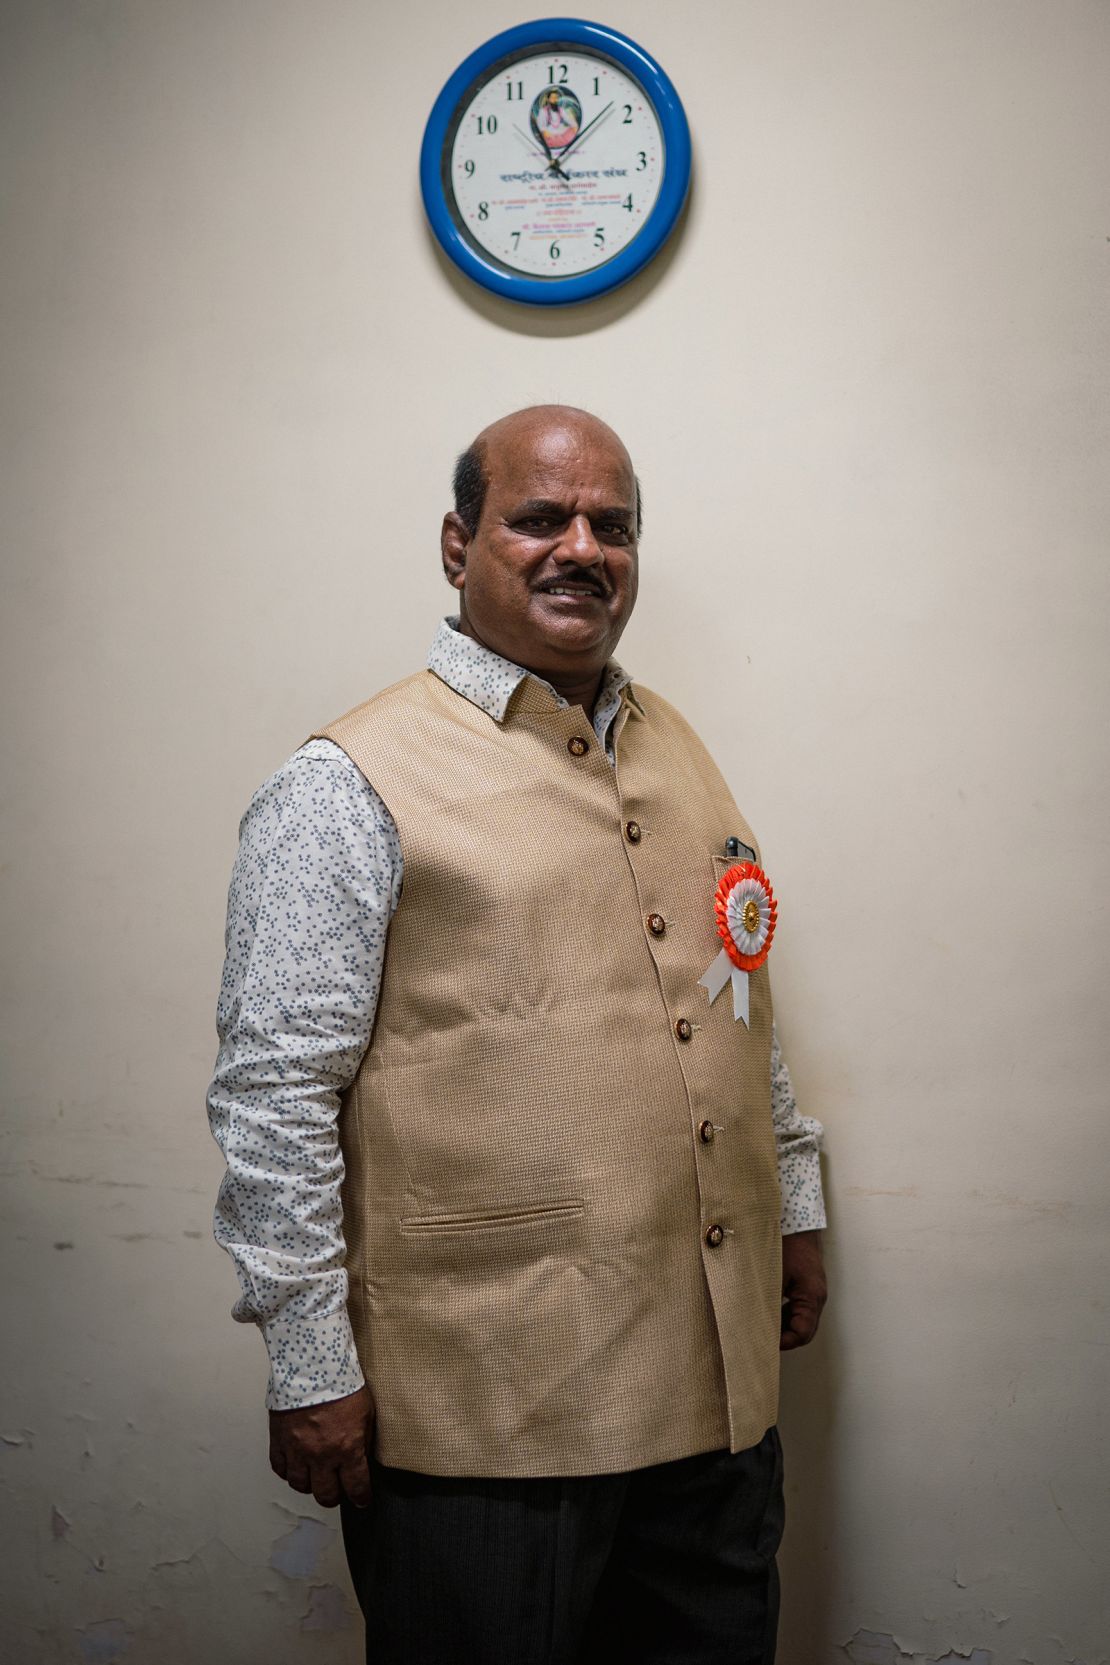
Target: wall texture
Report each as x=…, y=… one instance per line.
x=866, y=392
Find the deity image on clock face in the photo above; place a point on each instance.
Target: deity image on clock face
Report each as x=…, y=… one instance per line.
x=556, y=117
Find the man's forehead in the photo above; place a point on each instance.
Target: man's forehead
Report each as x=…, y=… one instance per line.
x=548, y=459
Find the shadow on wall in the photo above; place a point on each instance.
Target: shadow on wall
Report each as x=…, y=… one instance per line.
x=810, y=1560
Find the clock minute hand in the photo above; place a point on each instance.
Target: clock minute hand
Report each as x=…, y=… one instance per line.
x=582, y=131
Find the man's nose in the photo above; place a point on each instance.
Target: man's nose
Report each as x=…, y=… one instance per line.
x=578, y=543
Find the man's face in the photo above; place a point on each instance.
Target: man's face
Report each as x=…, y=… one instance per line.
x=549, y=576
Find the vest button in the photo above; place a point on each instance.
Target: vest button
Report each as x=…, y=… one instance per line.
x=706, y=1132
x=715, y=1236
x=656, y=924
x=577, y=747
x=632, y=832
x=684, y=1029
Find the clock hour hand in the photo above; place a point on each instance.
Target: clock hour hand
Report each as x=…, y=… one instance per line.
x=533, y=145
x=582, y=131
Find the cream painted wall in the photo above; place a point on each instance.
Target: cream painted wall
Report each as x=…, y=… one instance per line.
x=866, y=392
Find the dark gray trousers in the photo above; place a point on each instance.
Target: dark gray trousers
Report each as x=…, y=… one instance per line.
x=668, y=1565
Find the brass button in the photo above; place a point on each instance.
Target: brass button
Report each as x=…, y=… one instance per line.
x=706, y=1132
x=577, y=747
x=715, y=1236
x=632, y=832
x=684, y=1029
x=656, y=924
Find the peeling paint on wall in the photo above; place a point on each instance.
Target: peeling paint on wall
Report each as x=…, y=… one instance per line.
x=874, y=1647
x=871, y=1647
x=327, y=1609
x=297, y=1553
x=103, y=1642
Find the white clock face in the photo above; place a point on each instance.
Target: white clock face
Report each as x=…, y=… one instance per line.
x=555, y=163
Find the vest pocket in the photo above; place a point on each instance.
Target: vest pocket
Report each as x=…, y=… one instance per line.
x=502, y=1219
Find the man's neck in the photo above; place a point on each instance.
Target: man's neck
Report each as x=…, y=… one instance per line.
x=574, y=690
x=576, y=687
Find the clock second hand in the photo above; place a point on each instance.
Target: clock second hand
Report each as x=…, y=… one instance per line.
x=552, y=166
x=581, y=134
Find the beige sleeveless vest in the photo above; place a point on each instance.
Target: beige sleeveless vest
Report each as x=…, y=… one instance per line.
x=537, y=1146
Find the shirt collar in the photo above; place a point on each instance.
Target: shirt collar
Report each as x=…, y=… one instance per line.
x=489, y=681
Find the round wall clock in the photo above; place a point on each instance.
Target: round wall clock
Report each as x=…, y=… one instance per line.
x=555, y=162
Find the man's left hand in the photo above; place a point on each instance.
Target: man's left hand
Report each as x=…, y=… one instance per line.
x=324, y=1449
x=804, y=1289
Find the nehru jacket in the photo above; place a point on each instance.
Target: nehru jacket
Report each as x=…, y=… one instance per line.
x=561, y=1203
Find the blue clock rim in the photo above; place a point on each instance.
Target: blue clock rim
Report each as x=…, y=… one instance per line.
x=668, y=205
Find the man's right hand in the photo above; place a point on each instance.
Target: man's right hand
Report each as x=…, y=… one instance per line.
x=324, y=1449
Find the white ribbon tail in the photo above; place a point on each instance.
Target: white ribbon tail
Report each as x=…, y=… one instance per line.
x=717, y=976
x=719, y=973
x=740, y=996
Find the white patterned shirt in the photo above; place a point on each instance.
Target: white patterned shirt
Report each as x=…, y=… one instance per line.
x=316, y=881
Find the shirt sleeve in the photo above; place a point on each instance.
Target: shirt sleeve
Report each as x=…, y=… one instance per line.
x=315, y=883
x=798, y=1141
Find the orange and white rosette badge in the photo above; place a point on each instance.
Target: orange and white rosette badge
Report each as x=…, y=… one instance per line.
x=746, y=913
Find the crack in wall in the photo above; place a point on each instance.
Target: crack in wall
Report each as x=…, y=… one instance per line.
x=880, y=1647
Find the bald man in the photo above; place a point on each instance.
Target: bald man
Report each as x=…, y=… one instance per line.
x=524, y=1216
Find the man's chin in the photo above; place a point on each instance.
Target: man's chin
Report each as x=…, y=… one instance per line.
x=579, y=619
x=550, y=639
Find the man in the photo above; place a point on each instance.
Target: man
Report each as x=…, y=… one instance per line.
x=535, y=1358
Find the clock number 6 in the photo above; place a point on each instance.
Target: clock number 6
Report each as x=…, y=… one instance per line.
x=553, y=251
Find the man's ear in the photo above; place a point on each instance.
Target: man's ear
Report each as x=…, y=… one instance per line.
x=454, y=540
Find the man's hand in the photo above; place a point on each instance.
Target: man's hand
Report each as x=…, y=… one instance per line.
x=323, y=1449
x=804, y=1289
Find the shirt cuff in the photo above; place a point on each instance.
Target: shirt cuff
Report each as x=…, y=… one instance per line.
x=311, y=1360
x=803, y=1203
